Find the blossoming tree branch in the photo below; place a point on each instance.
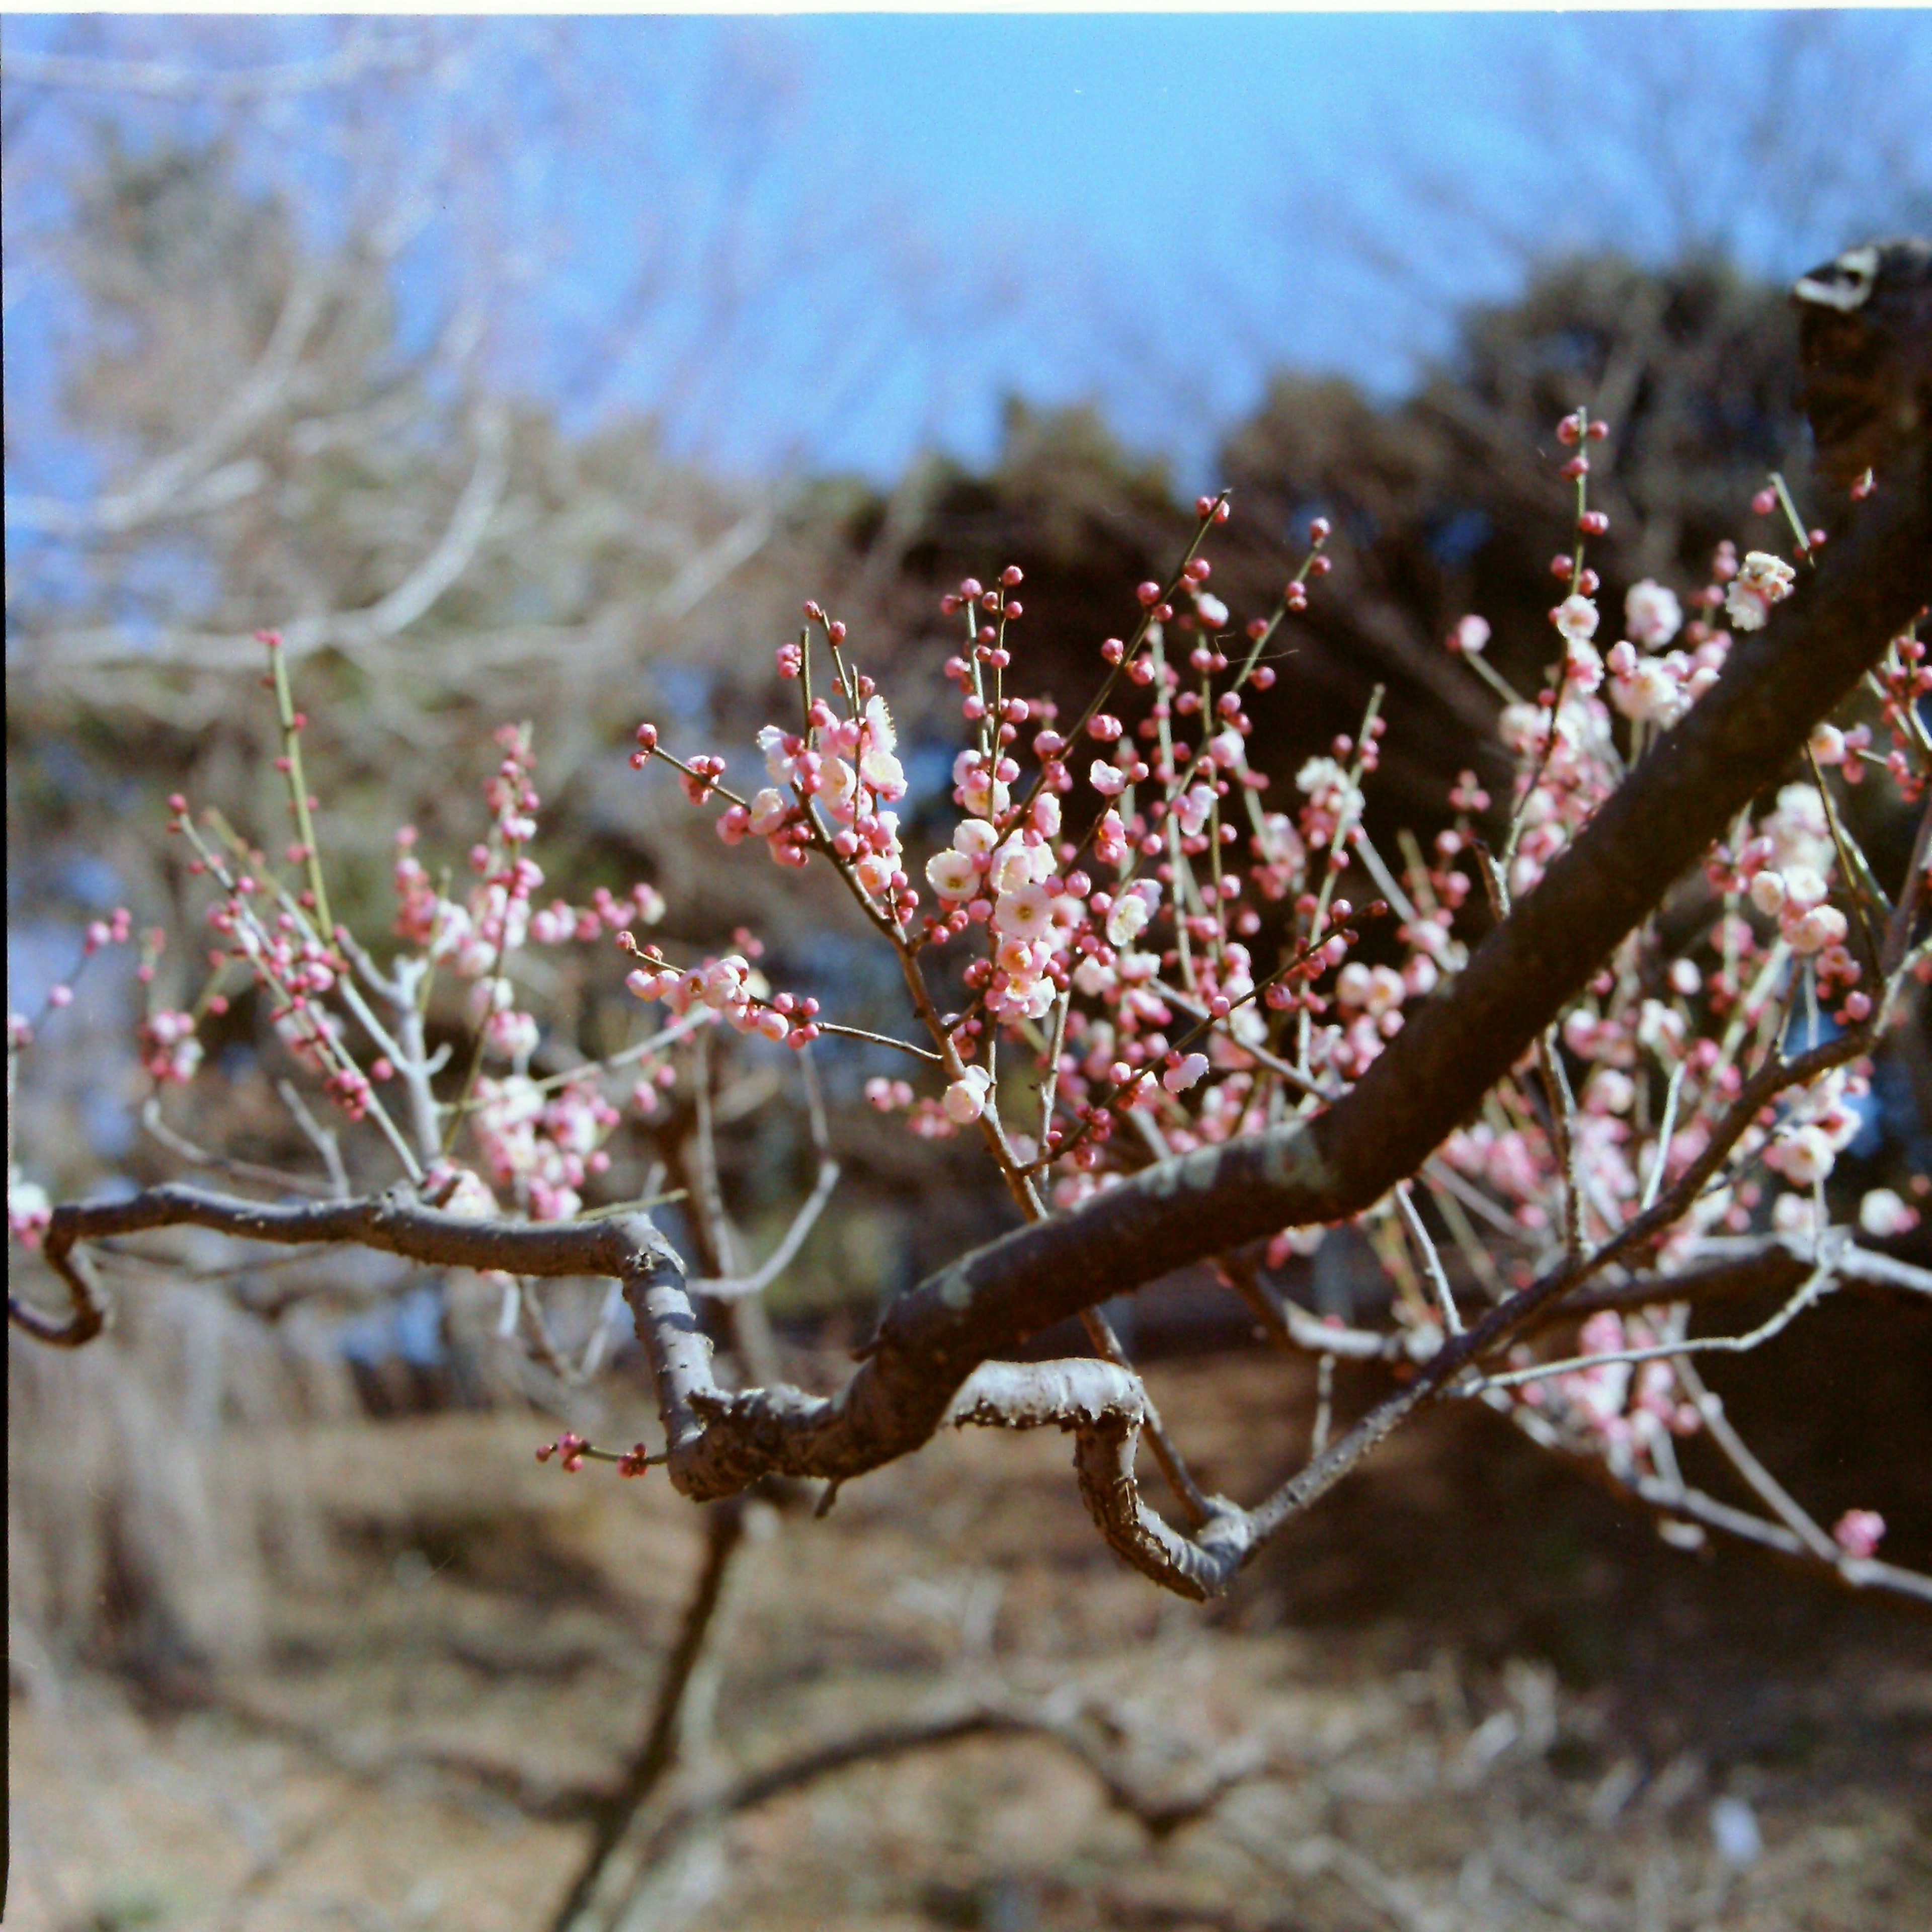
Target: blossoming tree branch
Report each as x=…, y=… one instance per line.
x=1580, y=1069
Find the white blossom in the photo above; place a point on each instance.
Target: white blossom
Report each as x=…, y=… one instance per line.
x=1575, y=618
x=1025, y=913
x=965, y=1099
x=1883, y=1213
x=1764, y=581
x=1652, y=614
x=1180, y=1077
x=953, y=875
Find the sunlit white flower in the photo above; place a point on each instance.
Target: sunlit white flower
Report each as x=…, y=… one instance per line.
x=1023, y=1000
x=1229, y=751
x=771, y=743
x=1828, y=744
x=953, y=875
x=1128, y=919
x=1324, y=781
x=880, y=730
x=1092, y=979
x=768, y=812
x=1883, y=1213
x=1661, y=1029
x=1794, y=1214
x=1609, y=1091
x=838, y=785
x=1026, y=913
x=975, y=838
x=721, y=982
x=1805, y=887
x=965, y=1099
x=1017, y=864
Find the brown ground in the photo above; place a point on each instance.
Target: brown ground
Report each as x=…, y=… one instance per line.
x=1474, y=1694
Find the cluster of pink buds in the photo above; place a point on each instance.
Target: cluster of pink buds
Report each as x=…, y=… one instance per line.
x=569, y=1448
x=1623, y=1408
x=543, y=1144
x=730, y=987
x=169, y=1050
x=112, y=930
x=1905, y=679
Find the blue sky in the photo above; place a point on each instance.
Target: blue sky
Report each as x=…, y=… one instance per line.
x=1149, y=212
x=1222, y=178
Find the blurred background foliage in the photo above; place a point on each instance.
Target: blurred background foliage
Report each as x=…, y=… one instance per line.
x=539, y=371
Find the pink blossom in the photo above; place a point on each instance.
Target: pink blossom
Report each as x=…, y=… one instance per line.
x=1110, y=840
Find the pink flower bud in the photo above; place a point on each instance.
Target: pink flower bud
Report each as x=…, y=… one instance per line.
x=1857, y=1533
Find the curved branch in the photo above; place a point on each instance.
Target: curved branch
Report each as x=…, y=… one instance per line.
x=624, y=1247
x=1160, y=1812
x=1729, y=1270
